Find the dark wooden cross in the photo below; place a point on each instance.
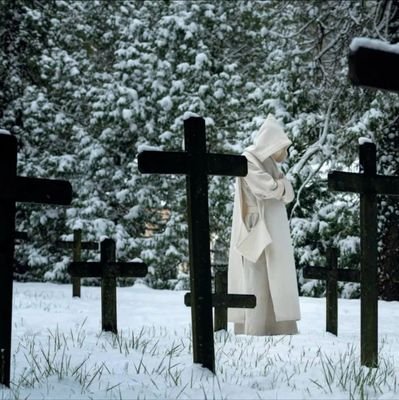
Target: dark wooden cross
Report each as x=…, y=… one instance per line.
x=108, y=270
x=221, y=300
x=197, y=164
x=77, y=246
x=331, y=274
x=368, y=184
x=374, y=67
x=14, y=189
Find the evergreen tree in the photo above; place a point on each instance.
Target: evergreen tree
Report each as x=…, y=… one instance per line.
x=88, y=85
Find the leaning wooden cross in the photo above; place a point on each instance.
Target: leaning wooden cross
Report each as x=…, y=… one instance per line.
x=14, y=189
x=108, y=270
x=197, y=164
x=368, y=184
x=77, y=246
x=331, y=274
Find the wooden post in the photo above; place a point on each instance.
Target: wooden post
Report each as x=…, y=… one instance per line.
x=331, y=274
x=77, y=256
x=197, y=164
x=12, y=189
x=8, y=168
x=108, y=287
x=108, y=270
x=332, y=292
x=368, y=249
x=198, y=227
x=77, y=246
x=220, y=289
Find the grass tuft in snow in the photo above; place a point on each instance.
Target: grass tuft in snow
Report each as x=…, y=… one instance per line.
x=160, y=366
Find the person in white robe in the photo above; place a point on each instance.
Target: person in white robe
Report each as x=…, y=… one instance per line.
x=261, y=257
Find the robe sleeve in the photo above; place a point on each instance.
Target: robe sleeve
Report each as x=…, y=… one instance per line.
x=262, y=184
x=288, y=195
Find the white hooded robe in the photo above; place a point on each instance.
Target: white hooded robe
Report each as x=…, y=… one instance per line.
x=261, y=258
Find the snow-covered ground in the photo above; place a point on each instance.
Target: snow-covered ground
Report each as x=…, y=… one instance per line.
x=59, y=351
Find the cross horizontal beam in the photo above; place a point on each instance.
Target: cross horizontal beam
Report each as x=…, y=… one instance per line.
x=179, y=163
x=358, y=183
x=228, y=301
x=83, y=245
x=320, y=273
x=99, y=269
x=374, y=68
x=36, y=190
x=160, y=162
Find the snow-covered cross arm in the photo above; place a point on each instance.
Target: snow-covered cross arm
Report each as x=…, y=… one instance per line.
x=374, y=63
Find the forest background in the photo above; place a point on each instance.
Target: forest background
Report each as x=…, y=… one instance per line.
x=86, y=85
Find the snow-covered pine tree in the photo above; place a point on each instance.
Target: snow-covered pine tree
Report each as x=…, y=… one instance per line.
x=97, y=82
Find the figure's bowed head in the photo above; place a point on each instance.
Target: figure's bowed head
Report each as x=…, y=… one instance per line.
x=271, y=141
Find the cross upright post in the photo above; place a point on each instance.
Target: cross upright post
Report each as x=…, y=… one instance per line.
x=108, y=287
x=332, y=292
x=77, y=246
x=8, y=170
x=220, y=288
x=368, y=260
x=197, y=164
x=108, y=270
x=14, y=189
x=77, y=255
x=198, y=227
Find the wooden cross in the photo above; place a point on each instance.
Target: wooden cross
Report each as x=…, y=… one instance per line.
x=221, y=300
x=332, y=275
x=368, y=184
x=197, y=164
x=14, y=189
x=374, y=67
x=108, y=270
x=77, y=246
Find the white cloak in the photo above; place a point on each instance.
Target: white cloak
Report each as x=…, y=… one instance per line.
x=270, y=191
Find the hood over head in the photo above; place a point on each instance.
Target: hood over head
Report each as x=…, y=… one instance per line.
x=270, y=138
